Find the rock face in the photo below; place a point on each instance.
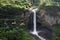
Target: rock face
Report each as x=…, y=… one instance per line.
x=46, y=30
x=49, y=18
x=45, y=19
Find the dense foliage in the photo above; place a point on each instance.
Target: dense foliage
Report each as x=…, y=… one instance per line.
x=9, y=9
x=14, y=34
x=16, y=3
x=9, y=31
x=56, y=29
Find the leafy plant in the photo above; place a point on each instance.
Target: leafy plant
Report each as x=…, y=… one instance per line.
x=16, y=3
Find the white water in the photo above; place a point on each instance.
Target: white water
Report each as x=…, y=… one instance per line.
x=34, y=32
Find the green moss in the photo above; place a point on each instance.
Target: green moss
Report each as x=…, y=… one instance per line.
x=56, y=28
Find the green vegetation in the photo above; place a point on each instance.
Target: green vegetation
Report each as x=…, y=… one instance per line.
x=16, y=3
x=56, y=29
x=11, y=8
x=50, y=2
x=14, y=34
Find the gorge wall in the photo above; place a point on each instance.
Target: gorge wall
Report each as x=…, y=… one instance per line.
x=46, y=18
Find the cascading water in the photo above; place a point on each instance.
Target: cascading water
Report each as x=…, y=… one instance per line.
x=34, y=22
x=35, y=32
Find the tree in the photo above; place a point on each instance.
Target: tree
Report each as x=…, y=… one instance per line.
x=16, y=3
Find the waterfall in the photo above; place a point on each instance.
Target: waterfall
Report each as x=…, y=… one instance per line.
x=34, y=21
x=35, y=32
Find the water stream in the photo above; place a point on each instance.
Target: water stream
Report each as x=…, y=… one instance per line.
x=35, y=32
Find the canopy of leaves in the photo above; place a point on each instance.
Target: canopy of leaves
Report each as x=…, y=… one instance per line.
x=50, y=2
x=16, y=3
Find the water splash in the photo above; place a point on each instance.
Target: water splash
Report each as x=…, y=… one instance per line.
x=35, y=32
